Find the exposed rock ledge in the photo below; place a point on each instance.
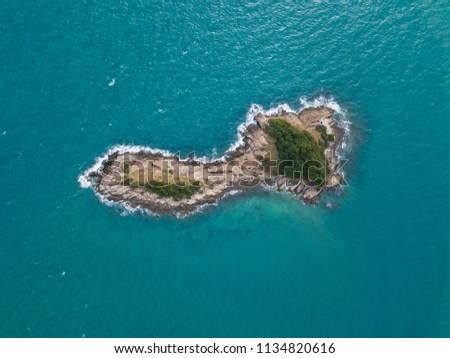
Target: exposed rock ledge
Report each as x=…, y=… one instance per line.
x=126, y=177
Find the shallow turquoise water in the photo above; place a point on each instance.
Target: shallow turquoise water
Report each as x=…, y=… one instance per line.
x=185, y=75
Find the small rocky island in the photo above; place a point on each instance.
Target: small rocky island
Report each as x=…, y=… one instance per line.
x=289, y=151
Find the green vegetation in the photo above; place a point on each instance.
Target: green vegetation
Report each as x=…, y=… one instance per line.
x=326, y=138
x=306, y=157
x=126, y=172
x=270, y=160
x=177, y=191
x=270, y=165
x=126, y=169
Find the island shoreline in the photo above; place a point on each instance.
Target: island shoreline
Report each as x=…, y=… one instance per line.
x=137, y=199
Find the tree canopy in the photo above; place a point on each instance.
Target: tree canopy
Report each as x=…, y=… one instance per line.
x=300, y=156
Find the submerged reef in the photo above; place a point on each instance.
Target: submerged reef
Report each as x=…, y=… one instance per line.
x=287, y=150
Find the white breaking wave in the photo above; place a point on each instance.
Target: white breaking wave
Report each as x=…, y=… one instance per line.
x=340, y=116
x=320, y=101
x=84, y=179
x=124, y=207
x=202, y=207
x=253, y=111
x=127, y=209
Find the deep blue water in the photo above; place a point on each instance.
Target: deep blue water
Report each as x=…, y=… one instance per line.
x=185, y=75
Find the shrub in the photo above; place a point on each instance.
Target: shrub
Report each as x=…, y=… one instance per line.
x=126, y=168
x=326, y=138
x=177, y=191
x=300, y=148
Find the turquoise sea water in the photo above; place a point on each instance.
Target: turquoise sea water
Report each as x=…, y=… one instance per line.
x=185, y=75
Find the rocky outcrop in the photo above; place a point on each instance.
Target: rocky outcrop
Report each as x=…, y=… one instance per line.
x=127, y=176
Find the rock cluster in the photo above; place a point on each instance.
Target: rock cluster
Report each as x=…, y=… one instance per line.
x=124, y=177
